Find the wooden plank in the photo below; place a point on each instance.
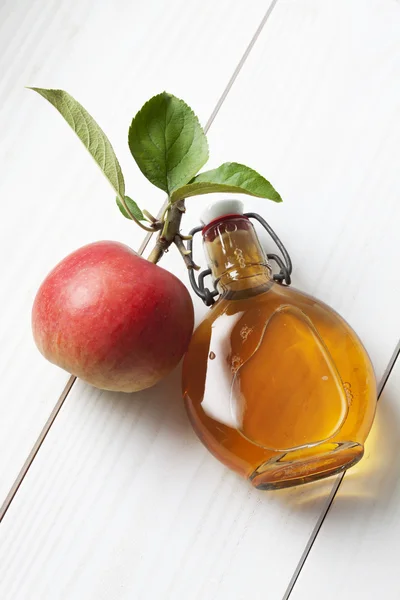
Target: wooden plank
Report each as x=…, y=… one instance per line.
x=158, y=516
x=358, y=545
x=122, y=501
x=113, y=57
x=316, y=110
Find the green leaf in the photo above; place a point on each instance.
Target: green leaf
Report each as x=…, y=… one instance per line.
x=133, y=207
x=92, y=136
x=229, y=177
x=167, y=142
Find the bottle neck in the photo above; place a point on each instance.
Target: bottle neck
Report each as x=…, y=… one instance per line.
x=235, y=257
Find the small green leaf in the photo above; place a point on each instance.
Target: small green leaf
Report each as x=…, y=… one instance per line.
x=133, y=207
x=167, y=142
x=92, y=136
x=229, y=177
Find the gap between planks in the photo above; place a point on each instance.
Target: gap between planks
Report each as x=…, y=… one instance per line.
x=36, y=447
x=314, y=534
x=53, y=415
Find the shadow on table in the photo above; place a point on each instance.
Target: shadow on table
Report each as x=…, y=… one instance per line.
x=376, y=477
x=161, y=411
x=160, y=406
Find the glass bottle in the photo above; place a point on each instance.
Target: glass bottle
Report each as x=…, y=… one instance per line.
x=276, y=384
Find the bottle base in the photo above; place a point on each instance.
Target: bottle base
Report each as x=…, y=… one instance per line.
x=306, y=465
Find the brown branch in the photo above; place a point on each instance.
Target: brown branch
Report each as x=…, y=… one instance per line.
x=170, y=234
x=159, y=250
x=186, y=254
x=170, y=228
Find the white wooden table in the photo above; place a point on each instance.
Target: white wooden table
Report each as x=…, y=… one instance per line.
x=109, y=496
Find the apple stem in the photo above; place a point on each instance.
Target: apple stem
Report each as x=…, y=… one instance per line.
x=170, y=234
x=157, y=252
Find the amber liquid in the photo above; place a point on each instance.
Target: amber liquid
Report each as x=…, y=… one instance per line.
x=276, y=384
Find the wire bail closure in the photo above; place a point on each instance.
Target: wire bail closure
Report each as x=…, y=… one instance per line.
x=284, y=265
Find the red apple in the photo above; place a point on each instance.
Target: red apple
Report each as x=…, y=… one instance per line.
x=112, y=318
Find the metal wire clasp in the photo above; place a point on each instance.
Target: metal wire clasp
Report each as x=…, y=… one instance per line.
x=285, y=265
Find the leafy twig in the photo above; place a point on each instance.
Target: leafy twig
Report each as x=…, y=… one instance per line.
x=165, y=159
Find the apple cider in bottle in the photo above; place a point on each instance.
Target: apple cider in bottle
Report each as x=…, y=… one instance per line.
x=276, y=384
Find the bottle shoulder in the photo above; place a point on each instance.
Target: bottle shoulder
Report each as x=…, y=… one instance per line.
x=270, y=300
x=254, y=313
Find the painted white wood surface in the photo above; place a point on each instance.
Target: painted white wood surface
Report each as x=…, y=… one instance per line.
x=122, y=501
x=316, y=108
x=112, y=56
x=356, y=554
